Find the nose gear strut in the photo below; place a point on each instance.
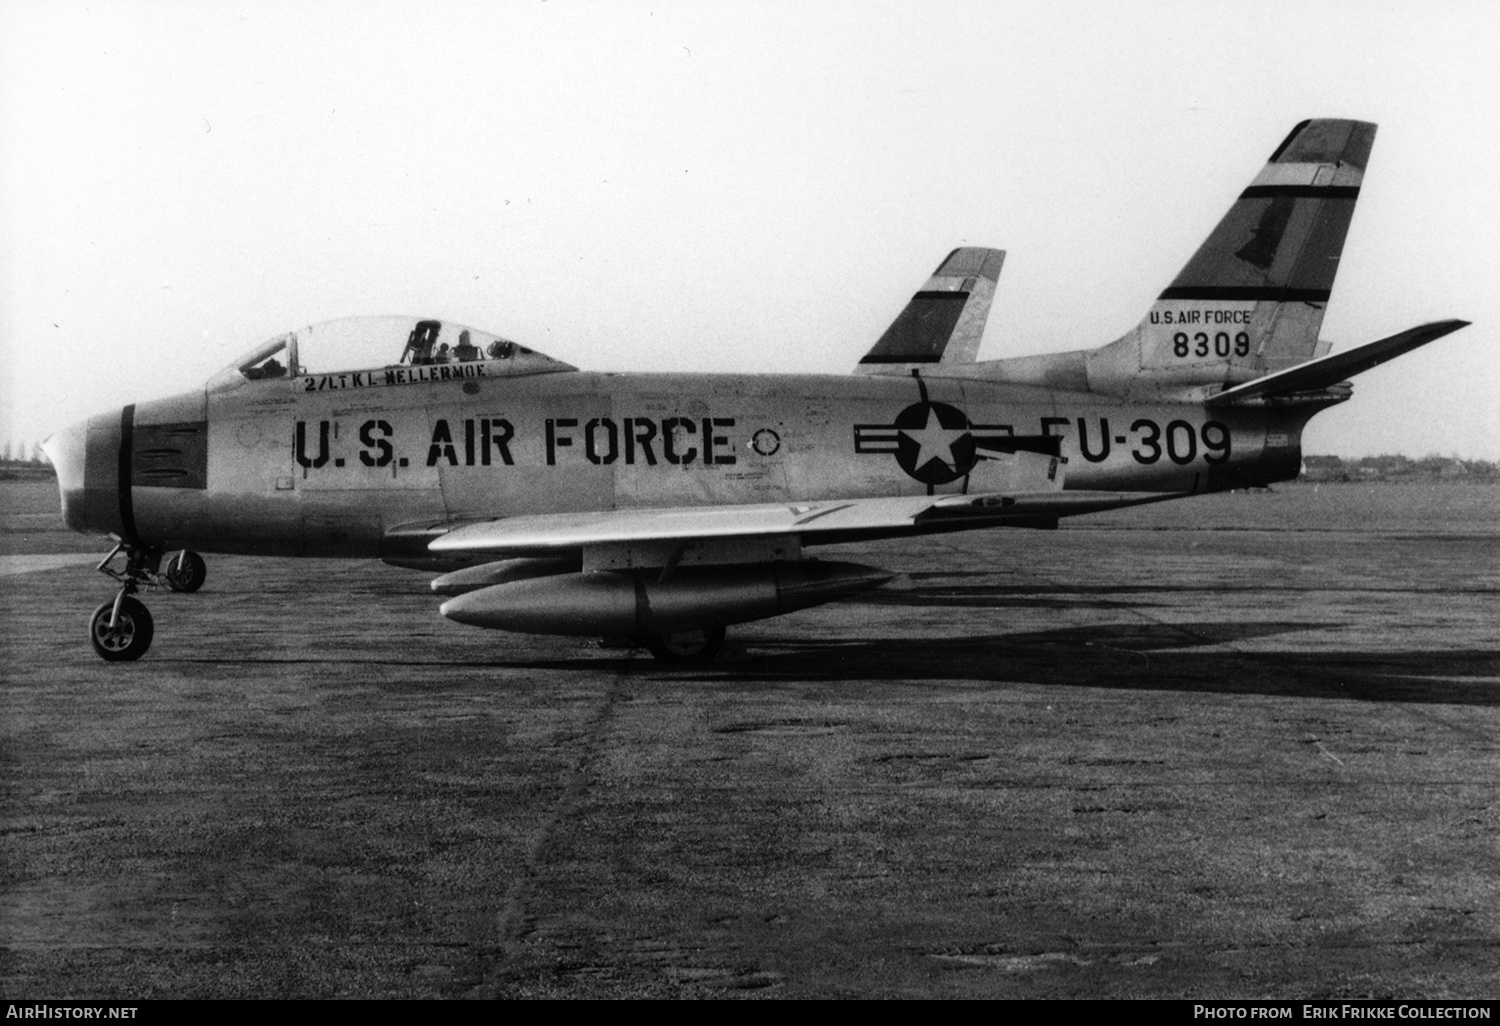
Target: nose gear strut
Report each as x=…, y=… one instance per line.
x=121, y=630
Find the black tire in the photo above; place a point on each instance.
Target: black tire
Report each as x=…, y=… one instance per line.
x=189, y=576
x=687, y=646
x=131, y=635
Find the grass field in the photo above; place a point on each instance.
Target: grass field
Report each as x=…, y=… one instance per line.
x=1240, y=746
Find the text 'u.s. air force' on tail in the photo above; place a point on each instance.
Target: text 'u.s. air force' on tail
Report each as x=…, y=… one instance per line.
x=663, y=507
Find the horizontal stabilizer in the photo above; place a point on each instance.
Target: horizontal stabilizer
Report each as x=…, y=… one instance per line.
x=944, y=322
x=1330, y=370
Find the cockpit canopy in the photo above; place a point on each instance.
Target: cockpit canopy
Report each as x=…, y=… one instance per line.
x=386, y=344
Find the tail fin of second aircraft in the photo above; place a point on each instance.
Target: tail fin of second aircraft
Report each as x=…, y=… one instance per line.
x=944, y=322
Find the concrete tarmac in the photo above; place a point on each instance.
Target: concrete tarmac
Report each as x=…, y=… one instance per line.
x=1238, y=746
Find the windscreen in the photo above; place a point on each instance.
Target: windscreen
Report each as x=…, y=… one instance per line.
x=374, y=343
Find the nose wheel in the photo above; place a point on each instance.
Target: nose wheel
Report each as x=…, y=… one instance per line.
x=121, y=630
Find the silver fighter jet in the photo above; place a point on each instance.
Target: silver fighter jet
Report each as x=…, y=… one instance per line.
x=662, y=507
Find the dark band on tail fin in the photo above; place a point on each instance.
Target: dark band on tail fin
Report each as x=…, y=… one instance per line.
x=1281, y=240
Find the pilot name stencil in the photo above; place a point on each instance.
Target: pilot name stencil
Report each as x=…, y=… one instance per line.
x=392, y=376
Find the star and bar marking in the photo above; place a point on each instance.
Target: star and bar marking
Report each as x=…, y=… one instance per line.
x=933, y=442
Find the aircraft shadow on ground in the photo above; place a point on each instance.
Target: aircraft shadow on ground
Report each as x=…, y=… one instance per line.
x=1142, y=654
x=1149, y=657
x=992, y=597
x=1186, y=657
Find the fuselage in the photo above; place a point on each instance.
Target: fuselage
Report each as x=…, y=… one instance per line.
x=341, y=464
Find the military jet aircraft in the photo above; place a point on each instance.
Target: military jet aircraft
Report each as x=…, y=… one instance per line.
x=663, y=507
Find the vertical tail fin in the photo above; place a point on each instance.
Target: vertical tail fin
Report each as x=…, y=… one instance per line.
x=944, y=321
x=1251, y=300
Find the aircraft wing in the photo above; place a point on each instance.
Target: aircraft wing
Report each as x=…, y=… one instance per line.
x=828, y=521
x=1330, y=370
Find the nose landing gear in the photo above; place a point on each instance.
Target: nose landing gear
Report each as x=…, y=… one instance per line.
x=121, y=630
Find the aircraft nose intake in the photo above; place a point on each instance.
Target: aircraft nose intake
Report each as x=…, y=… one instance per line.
x=88, y=457
x=67, y=450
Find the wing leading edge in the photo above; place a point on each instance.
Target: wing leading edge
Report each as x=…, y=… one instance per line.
x=814, y=522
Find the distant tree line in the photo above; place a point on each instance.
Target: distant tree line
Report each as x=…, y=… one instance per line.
x=24, y=462
x=20, y=452
x=1318, y=469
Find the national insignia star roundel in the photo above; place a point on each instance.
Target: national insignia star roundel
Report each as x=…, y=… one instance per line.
x=937, y=444
x=933, y=442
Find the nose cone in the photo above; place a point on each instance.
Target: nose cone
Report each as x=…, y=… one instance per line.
x=68, y=451
x=86, y=456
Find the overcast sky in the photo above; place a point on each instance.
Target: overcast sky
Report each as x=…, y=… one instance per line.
x=726, y=186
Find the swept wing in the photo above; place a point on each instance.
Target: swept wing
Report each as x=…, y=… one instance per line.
x=840, y=520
